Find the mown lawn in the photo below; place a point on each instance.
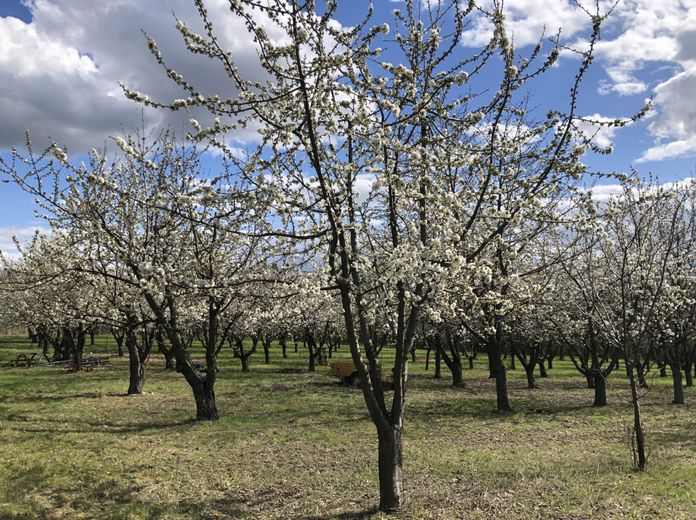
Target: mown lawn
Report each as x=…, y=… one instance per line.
x=292, y=444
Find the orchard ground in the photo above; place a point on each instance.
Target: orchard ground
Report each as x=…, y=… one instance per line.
x=293, y=444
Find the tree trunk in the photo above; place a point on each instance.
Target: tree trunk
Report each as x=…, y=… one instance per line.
x=688, y=367
x=550, y=363
x=457, y=377
x=43, y=345
x=502, y=403
x=600, y=389
x=136, y=368
x=641, y=376
x=497, y=367
x=542, y=369
x=206, y=409
x=266, y=352
x=531, y=379
x=590, y=380
x=438, y=365
x=245, y=362
x=471, y=363
x=284, y=347
x=640, y=459
x=390, y=468
x=427, y=360
x=677, y=383
x=663, y=368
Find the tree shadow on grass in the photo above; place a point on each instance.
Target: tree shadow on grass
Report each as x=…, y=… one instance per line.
x=350, y=515
x=683, y=439
x=42, y=398
x=101, y=497
x=485, y=408
x=68, y=426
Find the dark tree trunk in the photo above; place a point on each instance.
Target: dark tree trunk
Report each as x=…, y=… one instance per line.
x=266, y=352
x=663, y=368
x=168, y=353
x=91, y=337
x=531, y=379
x=452, y=359
x=471, y=363
x=43, y=345
x=640, y=459
x=590, y=379
x=119, y=344
x=136, y=367
x=642, y=383
x=542, y=369
x=600, y=389
x=457, y=377
x=245, y=362
x=677, y=383
x=495, y=355
x=438, y=365
x=169, y=361
x=550, y=363
x=502, y=403
x=206, y=409
x=513, y=366
x=688, y=375
x=390, y=468
x=427, y=360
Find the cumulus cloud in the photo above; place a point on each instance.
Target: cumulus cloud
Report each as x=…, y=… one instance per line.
x=23, y=234
x=638, y=35
x=606, y=192
x=527, y=20
x=602, y=135
x=60, y=72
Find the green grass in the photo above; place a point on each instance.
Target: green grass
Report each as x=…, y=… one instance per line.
x=291, y=444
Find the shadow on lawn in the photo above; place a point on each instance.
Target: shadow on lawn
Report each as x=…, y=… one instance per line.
x=42, y=398
x=72, y=425
x=101, y=497
x=350, y=515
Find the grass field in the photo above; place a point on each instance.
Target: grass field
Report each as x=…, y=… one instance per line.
x=292, y=444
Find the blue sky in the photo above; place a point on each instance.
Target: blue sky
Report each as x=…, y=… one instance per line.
x=60, y=61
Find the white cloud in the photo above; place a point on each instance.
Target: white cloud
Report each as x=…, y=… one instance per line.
x=606, y=192
x=60, y=72
x=527, y=20
x=638, y=34
x=23, y=234
x=670, y=150
x=602, y=135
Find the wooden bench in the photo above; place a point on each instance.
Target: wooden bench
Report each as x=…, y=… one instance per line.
x=24, y=360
